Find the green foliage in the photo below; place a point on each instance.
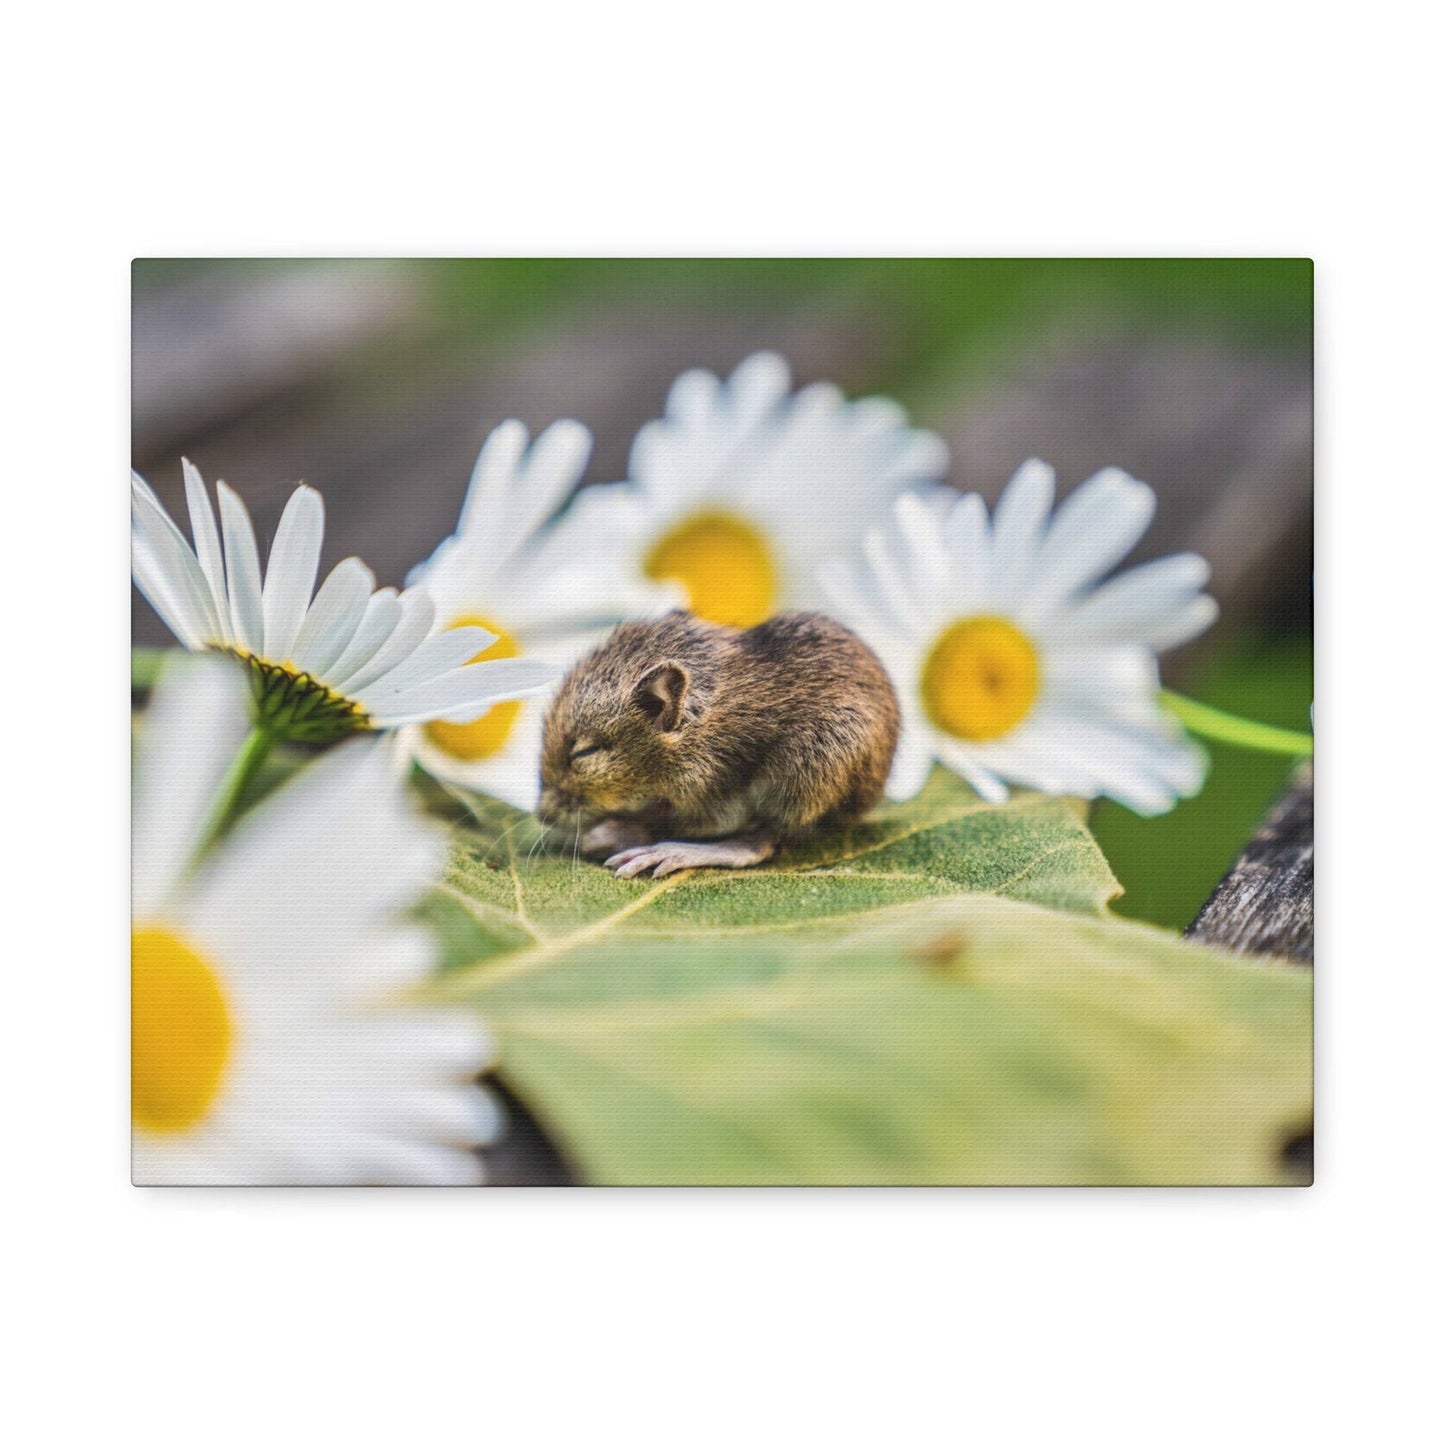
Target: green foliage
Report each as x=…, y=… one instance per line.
x=145, y=666
x=937, y=996
x=941, y=314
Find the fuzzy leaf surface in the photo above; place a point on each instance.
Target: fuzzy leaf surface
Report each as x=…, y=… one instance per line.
x=938, y=996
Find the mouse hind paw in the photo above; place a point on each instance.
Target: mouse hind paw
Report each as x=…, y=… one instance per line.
x=673, y=855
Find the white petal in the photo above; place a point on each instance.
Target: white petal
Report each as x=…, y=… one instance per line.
x=756, y=387
x=1018, y=524
x=1187, y=622
x=891, y=582
x=437, y=654
x=963, y=759
x=208, y=545
x=297, y=911
x=463, y=1115
x=811, y=472
x=304, y=875
x=874, y=417
x=243, y=572
x=1020, y=759
x=554, y=466
x=918, y=523
x=159, y=587
x=198, y=715
x=383, y=612
x=912, y=764
x=492, y=475
x=1144, y=772
x=970, y=551
x=519, y=570
x=463, y=694
x=514, y=490
x=845, y=595
x=838, y=583
x=920, y=456
x=513, y=774
x=332, y=619
x=1157, y=599
x=1144, y=767
x=168, y=569
x=417, y=615
x=413, y=1045
x=692, y=398
x=1121, y=678
x=854, y=589
x=400, y=1161
x=1092, y=532
x=581, y=574
x=291, y=571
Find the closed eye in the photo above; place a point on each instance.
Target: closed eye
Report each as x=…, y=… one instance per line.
x=586, y=752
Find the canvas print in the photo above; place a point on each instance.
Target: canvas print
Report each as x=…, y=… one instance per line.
x=722, y=722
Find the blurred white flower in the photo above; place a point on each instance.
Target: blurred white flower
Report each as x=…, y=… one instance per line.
x=350, y=658
x=268, y=1043
x=741, y=490
x=546, y=589
x=1013, y=662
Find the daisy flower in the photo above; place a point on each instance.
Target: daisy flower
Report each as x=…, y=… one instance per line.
x=1014, y=661
x=542, y=588
x=265, y=1045
x=349, y=658
x=741, y=490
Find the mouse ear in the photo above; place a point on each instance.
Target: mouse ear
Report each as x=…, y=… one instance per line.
x=661, y=694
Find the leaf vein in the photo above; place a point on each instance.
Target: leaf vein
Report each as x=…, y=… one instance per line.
x=484, y=912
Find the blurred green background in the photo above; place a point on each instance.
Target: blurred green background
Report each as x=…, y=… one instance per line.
x=1193, y=374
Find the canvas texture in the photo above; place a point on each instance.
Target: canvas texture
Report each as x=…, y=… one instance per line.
x=719, y=723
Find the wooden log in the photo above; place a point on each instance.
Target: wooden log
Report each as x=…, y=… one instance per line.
x=1265, y=904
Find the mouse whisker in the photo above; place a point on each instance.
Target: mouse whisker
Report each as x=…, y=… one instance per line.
x=505, y=833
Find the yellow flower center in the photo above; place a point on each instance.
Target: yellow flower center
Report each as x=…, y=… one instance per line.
x=725, y=565
x=180, y=1032
x=485, y=737
x=981, y=679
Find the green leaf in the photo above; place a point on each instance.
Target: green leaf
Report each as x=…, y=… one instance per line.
x=936, y=996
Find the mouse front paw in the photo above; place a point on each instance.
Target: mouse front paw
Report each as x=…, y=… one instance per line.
x=612, y=834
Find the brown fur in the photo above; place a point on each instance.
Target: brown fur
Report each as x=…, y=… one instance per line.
x=703, y=731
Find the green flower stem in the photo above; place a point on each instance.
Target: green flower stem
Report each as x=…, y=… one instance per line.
x=1223, y=727
x=238, y=776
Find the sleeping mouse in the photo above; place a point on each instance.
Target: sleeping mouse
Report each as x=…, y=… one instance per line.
x=679, y=743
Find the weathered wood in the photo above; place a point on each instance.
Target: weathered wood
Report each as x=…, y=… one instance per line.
x=209, y=347
x=523, y=1157
x=1266, y=902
